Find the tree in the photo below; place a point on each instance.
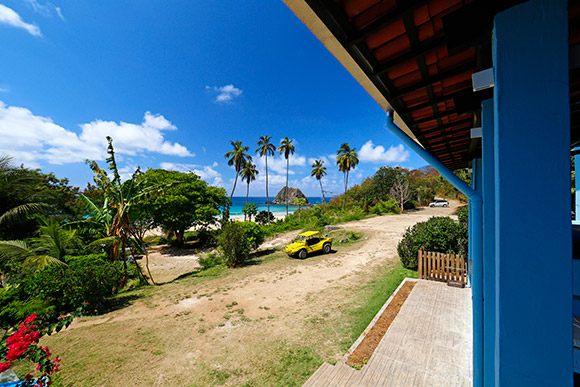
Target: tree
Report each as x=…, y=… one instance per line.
x=346, y=159
x=401, y=192
x=185, y=201
x=287, y=149
x=237, y=158
x=18, y=200
x=319, y=171
x=300, y=203
x=122, y=197
x=52, y=244
x=249, y=210
x=265, y=149
x=248, y=174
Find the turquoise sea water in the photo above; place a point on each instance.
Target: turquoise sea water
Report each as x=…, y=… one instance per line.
x=238, y=203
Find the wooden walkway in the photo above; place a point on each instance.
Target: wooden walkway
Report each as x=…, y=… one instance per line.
x=428, y=344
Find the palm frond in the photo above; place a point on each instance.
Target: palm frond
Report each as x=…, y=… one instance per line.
x=37, y=262
x=22, y=211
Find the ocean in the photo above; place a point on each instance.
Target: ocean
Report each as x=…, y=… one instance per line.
x=239, y=201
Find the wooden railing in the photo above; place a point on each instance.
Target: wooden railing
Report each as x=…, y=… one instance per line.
x=442, y=267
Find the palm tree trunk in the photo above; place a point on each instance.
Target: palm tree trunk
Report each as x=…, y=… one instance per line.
x=247, y=195
x=267, y=197
x=287, y=170
x=345, y=187
x=235, y=182
x=323, y=198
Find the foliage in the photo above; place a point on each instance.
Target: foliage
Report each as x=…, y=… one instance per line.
x=249, y=210
x=254, y=233
x=319, y=171
x=237, y=158
x=265, y=217
x=400, y=192
x=234, y=244
x=248, y=174
x=86, y=279
x=463, y=215
x=265, y=149
x=438, y=234
x=23, y=345
x=346, y=159
x=300, y=203
x=209, y=261
x=388, y=207
x=185, y=201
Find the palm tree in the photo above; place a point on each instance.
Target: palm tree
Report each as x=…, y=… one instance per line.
x=49, y=248
x=248, y=174
x=319, y=171
x=14, y=181
x=287, y=149
x=265, y=148
x=346, y=159
x=237, y=159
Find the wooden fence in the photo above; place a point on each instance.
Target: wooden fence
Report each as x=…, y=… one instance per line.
x=442, y=267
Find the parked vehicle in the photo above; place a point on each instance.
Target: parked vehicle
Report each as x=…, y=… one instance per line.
x=439, y=203
x=308, y=242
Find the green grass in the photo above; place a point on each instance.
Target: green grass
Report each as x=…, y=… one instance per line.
x=373, y=296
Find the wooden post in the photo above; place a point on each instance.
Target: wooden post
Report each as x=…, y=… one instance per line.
x=420, y=263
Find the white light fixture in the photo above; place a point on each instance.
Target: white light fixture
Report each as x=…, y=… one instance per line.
x=476, y=132
x=483, y=79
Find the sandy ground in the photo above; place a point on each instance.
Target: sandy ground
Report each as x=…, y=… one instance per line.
x=274, y=299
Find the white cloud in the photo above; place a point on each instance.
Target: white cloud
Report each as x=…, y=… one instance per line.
x=225, y=93
x=278, y=163
x=30, y=138
x=371, y=153
x=9, y=17
x=215, y=164
x=3, y=90
x=205, y=172
x=47, y=9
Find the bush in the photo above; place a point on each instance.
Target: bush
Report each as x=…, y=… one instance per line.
x=254, y=233
x=438, y=234
x=88, y=278
x=388, y=207
x=14, y=309
x=210, y=261
x=234, y=244
x=265, y=217
x=463, y=215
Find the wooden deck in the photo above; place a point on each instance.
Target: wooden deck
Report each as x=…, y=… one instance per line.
x=428, y=344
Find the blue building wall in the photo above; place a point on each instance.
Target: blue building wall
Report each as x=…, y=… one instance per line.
x=533, y=246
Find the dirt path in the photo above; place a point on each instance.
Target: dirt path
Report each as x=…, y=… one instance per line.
x=219, y=321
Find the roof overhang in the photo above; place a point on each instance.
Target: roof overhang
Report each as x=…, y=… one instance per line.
x=417, y=58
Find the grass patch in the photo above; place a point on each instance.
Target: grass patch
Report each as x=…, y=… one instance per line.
x=373, y=296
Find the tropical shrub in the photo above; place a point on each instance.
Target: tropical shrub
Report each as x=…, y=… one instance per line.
x=23, y=344
x=234, y=244
x=89, y=278
x=388, y=207
x=210, y=261
x=463, y=215
x=254, y=232
x=264, y=217
x=438, y=234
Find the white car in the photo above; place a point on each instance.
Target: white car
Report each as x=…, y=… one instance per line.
x=439, y=203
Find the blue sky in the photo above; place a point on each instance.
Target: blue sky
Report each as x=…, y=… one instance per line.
x=173, y=82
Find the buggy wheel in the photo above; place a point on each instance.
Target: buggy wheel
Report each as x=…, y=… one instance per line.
x=326, y=248
x=302, y=254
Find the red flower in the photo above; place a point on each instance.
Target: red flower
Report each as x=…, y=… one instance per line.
x=4, y=366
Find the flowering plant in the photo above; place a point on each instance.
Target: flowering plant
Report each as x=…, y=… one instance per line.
x=23, y=344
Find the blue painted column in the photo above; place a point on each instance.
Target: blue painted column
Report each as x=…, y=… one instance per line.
x=533, y=244
x=488, y=193
x=577, y=185
x=475, y=269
